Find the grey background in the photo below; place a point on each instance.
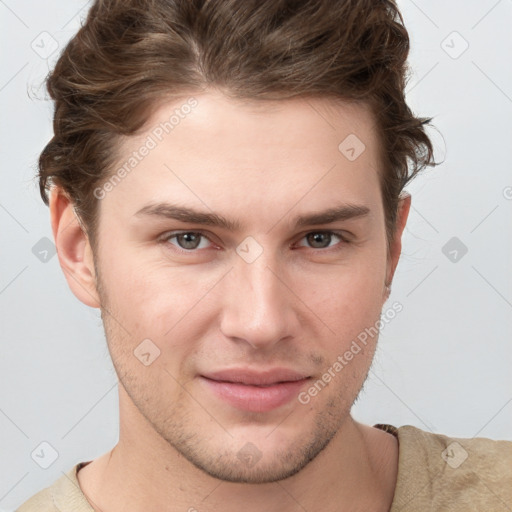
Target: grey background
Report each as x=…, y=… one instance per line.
x=443, y=364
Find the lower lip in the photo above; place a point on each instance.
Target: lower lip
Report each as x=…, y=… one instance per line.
x=255, y=398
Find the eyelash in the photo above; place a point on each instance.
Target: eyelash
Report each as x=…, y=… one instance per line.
x=168, y=236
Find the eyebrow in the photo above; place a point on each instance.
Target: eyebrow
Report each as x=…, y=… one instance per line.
x=343, y=212
x=191, y=216
x=171, y=211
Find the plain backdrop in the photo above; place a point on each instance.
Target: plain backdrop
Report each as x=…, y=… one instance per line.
x=443, y=364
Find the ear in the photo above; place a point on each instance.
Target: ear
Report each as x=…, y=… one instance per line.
x=395, y=248
x=73, y=249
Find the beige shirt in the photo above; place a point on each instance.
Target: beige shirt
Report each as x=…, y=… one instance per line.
x=435, y=473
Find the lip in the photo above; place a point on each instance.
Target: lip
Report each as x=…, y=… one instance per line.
x=255, y=391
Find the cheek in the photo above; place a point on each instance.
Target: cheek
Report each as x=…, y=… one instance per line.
x=349, y=303
x=135, y=283
x=168, y=305
x=347, y=297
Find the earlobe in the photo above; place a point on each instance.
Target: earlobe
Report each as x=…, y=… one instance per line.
x=404, y=206
x=73, y=249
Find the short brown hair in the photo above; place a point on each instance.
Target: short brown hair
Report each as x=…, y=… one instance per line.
x=131, y=55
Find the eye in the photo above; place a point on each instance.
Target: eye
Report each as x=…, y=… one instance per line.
x=187, y=240
x=322, y=239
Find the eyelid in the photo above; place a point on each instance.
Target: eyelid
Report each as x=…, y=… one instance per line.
x=171, y=234
x=340, y=234
x=344, y=239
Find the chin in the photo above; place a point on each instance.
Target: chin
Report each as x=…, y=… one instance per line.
x=263, y=460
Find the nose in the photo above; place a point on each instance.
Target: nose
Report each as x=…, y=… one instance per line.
x=257, y=305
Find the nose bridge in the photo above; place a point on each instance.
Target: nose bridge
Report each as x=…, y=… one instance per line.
x=256, y=306
x=260, y=282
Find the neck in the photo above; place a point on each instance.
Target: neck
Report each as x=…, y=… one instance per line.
x=356, y=471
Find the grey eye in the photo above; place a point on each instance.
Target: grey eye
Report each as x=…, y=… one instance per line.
x=319, y=240
x=188, y=240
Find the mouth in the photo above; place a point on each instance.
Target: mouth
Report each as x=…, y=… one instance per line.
x=253, y=391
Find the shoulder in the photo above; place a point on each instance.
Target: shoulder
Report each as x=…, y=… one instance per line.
x=440, y=472
x=40, y=502
x=63, y=495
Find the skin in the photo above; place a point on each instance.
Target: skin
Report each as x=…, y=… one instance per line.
x=295, y=306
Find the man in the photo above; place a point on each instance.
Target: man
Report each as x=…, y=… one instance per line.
x=227, y=185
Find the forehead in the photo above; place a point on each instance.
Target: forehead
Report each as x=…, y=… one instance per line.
x=212, y=150
x=213, y=115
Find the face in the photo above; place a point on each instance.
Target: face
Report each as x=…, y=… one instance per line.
x=237, y=260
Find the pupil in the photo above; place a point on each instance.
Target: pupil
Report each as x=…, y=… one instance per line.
x=319, y=239
x=188, y=240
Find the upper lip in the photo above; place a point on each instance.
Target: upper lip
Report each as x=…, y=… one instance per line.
x=256, y=378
